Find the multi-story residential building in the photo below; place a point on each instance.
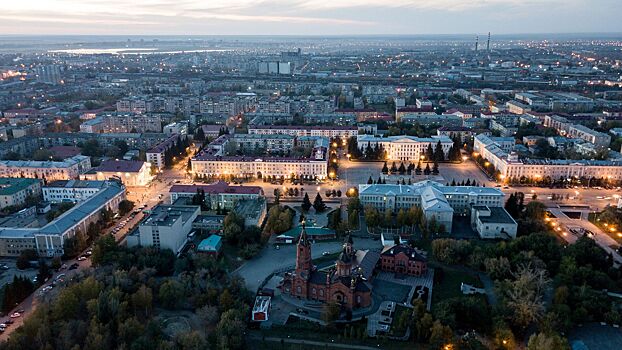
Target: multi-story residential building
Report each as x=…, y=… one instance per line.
x=48, y=241
x=217, y=195
x=511, y=168
x=266, y=118
x=437, y=201
x=404, y=148
x=569, y=129
x=130, y=172
x=268, y=142
x=68, y=169
x=299, y=130
x=111, y=122
x=430, y=119
x=155, y=155
x=15, y=191
x=179, y=128
x=167, y=227
x=330, y=119
x=134, y=140
x=71, y=190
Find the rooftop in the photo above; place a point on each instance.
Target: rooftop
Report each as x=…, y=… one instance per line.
x=216, y=188
x=125, y=166
x=211, y=243
x=10, y=186
x=167, y=215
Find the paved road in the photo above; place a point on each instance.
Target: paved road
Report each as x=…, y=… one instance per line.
x=270, y=259
x=29, y=305
x=602, y=239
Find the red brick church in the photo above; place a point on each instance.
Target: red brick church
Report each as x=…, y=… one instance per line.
x=347, y=283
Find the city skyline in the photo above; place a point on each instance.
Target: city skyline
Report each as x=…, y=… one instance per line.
x=274, y=17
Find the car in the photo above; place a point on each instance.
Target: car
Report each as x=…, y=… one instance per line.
x=35, y=279
x=21, y=311
x=9, y=321
x=15, y=315
x=81, y=258
x=325, y=253
x=277, y=247
x=62, y=275
x=88, y=252
x=62, y=267
x=3, y=325
x=74, y=266
x=4, y=267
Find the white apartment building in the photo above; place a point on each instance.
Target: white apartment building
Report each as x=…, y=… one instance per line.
x=68, y=169
x=404, y=148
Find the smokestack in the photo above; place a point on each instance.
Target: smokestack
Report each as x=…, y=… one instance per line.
x=488, y=43
x=476, y=43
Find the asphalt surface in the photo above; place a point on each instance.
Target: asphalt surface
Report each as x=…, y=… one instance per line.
x=270, y=259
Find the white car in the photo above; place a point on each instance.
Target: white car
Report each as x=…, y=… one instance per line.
x=16, y=315
x=81, y=258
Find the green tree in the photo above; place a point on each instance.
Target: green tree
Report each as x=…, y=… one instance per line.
x=125, y=206
x=170, y=294
x=318, y=203
x=306, y=203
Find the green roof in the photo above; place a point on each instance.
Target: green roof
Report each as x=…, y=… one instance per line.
x=10, y=186
x=312, y=231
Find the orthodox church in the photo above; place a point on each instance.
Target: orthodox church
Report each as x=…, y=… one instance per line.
x=347, y=283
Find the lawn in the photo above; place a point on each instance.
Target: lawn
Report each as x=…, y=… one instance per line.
x=449, y=286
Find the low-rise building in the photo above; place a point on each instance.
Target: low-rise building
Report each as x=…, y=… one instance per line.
x=211, y=245
x=71, y=190
x=438, y=202
x=15, y=191
x=217, y=195
x=403, y=259
x=254, y=211
x=70, y=168
x=130, y=172
x=48, y=241
x=166, y=227
x=493, y=222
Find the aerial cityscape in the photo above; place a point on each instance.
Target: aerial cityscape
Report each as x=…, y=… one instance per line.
x=220, y=176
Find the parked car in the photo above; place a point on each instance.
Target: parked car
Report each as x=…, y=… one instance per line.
x=15, y=315
x=81, y=258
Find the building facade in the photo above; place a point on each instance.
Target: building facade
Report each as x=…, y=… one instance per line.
x=68, y=169
x=345, y=284
x=404, y=148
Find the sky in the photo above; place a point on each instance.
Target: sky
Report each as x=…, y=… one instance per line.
x=307, y=17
